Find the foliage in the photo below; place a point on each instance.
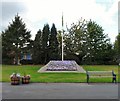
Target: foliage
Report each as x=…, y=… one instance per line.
x=45, y=43
x=86, y=42
x=99, y=49
x=117, y=48
x=37, y=47
x=26, y=62
x=0, y=48
x=118, y=38
x=46, y=46
x=15, y=41
x=74, y=40
x=53, y=44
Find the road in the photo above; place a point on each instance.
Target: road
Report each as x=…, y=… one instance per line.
x=60, y=91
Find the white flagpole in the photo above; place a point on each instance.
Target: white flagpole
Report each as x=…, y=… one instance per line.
x=62, y=38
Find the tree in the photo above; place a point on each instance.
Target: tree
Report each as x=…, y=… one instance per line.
x=15, y=41
x=0, y=48
x=53, y=44
x=94, y=41
x=45, y=43
x=74, y=41
x=86, y=42
x=98, y=45
x=37, y=47
x=118, y=43
x=117, y=48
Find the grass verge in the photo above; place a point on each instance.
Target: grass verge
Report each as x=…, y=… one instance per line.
x=7, y=70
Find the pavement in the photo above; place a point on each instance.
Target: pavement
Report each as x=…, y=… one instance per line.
x=60, y=91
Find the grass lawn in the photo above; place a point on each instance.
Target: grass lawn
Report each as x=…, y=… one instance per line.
x=7, y=70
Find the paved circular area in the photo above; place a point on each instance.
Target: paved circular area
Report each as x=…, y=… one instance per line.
x=60, y=91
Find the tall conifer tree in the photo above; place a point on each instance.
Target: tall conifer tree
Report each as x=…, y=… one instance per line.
x=15, y=41
x=45, y=43
x=53, y=44
x=37, y=47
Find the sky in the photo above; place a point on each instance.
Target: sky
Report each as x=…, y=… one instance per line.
x=36, y=13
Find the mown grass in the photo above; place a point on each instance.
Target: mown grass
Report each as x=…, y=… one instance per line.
x=7, y=70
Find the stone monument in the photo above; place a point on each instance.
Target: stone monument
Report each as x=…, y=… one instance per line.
x=62, y=66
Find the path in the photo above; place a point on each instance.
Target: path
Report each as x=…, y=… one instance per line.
x=60, y=91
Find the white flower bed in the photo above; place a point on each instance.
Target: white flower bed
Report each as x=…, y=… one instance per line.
x=62, y=66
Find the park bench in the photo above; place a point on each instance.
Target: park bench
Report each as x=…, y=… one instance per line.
x=95, y=74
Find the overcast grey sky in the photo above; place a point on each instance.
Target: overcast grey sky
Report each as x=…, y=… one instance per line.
x=119, y=16
x=9, y=10
x=36, y=13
